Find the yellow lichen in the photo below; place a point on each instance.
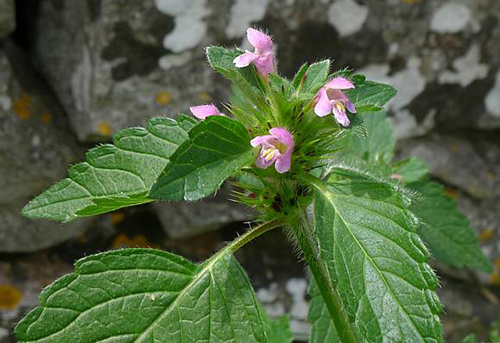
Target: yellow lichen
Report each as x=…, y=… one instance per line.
x=495, y=279
x=46, y=117
x=104, y=129
x=22, y=106
x=10, y=297
x=116, y=217
x=487, y=234
x=163, y=98
x=450, y=192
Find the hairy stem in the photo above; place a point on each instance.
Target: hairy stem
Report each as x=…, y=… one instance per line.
x=244, y=239
x=253, y=233
x=310, y=246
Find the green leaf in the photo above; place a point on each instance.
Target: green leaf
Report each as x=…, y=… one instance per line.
x=221, y=60
x=247, y=82
x=145, y=295
x=378, y=145
x=471, y=338
x=369, y=93
x=323, y=330
x=281, y=85
x=278, y=330
x=446, y=230
x=316, y=76
x=411, y=169
x=113, y=176
x=297, y=79
x=377, y=261
x=217, y=148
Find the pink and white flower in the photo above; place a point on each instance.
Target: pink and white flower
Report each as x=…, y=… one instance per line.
x=263, y=57
x=203, y=111
x=276, y=148
x=330, y=99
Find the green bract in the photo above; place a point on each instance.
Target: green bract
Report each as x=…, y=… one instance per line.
x=356, y=216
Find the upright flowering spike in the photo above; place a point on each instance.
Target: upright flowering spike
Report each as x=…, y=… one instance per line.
x=330, y=99
x=203, y=111
x=276, y=147
x=263, y=57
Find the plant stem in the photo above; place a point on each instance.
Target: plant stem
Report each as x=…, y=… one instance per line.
x=312, y=252
x=247, y=237
x=330, y=295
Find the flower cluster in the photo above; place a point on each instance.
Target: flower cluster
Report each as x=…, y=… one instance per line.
x=277, y=147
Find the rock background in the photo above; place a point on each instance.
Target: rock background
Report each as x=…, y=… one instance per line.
x=78, y=71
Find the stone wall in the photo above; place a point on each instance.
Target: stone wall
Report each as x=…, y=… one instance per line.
x=75, y=72
x=112, y=64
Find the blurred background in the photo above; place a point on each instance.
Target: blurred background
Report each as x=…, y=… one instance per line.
x=73, y=73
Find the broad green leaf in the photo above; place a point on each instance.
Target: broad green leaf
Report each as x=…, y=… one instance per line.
x=246, y=80
x=278, y=330
x=221, y=60
x=377, y=261
x=323, y=330
x=378, y=145
x=217, y=148
x=145, y=295
x=113, y=176
x=369, y=93
x=446, y=230
x=411, y=169
x=316, y=76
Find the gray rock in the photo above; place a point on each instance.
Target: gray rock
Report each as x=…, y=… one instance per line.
x=36, y=148
x=7, y=17
x=36, y=145
x=454, y=161
x=133, y=60
x=471, y=166
x=184, y=219
x=115, y=64
x=19, y=234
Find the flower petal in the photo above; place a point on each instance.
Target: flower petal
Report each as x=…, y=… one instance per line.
x=245, y=59
x=283, y=162
x=260, y=140
x=341, y=117
x=260, y=41
x=323, y=106
x=350, y=106
x=340, y=83
x=283, y=136
x=203, y=111
x=265, y=64
x=261, y=162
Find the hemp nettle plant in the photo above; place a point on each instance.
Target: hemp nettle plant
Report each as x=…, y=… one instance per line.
x=311, y=156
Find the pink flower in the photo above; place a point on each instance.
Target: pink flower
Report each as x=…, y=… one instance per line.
x=203, y=111
x=331, y=99
x=263, y=57
x=276, y=147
